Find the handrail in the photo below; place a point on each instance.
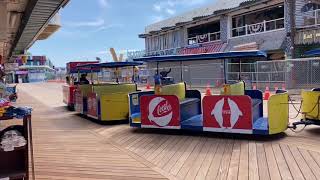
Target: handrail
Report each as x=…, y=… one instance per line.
x=209, y=37
x=263, y=27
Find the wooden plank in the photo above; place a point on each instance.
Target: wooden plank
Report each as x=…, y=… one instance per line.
x=244, y=161
x=144, y=148
x=146, y=141
x=310, y=162
x=316, y=156
x=176, y=168
x=158, y=150
x=282, y=164
x=272, y=163
x=177, y=154
x=188, y=164
x=216, y=161
x=294, y=168
x=171, y=152
x=262, y=162
x=154, y=146
x=199, y=160
x=166, y=150
x=253, y=162
x=235, y=160
x=213, y=146
x=303, y=166
x=225, y=163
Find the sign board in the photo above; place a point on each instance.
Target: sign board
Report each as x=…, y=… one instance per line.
x=232, y=114
x=160, y=112
x=72, y=67
x=11, y=66
x=92, y=105
x=21, y=72
x=201, y=48
x=308, y=37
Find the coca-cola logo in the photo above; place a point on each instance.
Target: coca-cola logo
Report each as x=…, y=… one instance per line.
x=163, y=108
x=160, y=111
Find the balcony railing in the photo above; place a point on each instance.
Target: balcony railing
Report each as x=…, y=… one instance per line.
x=311, y=18
x=261, y=27
x=209, y=37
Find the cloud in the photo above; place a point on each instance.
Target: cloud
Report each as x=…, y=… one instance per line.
x=170, y=11
x=157, y=18
x=169, y=7
x=170, y=4
x=157, y=7
x=110, y=26
x=95, y=23
x=103, y=3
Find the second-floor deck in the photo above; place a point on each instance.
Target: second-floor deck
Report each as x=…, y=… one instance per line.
x=261, y=27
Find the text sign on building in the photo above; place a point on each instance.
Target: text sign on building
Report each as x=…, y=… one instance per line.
x=308, y=37
x=227, y=114
x=160, y=112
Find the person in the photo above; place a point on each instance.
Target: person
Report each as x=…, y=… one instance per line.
x=83, y=79
x=67, y=79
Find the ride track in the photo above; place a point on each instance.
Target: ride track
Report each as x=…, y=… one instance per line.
x=70, y=147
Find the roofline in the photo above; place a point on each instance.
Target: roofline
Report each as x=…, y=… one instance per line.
x=214, y=14
x=62, y=4
x=24, y=21
x=205, y=56
x=110, y=65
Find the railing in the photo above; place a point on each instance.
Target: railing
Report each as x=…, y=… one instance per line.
x=311, y=18
x=260, y=27
x=209, y=37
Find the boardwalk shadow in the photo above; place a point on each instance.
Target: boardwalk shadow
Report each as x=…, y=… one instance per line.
x=213, y=135
x=314, y=131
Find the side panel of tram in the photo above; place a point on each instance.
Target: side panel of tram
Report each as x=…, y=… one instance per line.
x=104, y=102
x=241, y=111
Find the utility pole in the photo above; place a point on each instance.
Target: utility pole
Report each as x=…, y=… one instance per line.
x=292, y=10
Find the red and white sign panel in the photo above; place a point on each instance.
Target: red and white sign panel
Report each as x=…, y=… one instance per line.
x=92, y=105
x=232, y=114
x=160, y=112
x=78, y=101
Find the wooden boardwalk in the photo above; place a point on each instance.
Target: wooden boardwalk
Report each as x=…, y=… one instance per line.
x=70, y=147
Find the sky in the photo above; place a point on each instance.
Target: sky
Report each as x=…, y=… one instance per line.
x=91, y=27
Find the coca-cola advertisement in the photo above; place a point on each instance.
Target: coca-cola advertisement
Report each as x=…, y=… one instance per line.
x=160, y=112
x=92, y=105
x=227, y=114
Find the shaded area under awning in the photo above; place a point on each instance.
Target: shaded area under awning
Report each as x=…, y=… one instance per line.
x=36, y=17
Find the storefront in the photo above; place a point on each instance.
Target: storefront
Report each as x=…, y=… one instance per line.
x=306, y=40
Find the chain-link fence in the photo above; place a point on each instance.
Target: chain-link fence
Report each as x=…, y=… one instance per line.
x=292, y=74
x=289, y=74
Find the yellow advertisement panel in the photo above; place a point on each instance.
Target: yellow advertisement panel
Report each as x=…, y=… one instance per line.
x=278, y=112
x=310, y=104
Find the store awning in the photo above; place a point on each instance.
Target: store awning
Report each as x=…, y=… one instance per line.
x=314, y=52
x=37, y=15
x=110, y=65
x=208, y=56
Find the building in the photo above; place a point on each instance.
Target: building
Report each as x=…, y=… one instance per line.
x=307, y=35
x=30, y=69
x=22, y=22
x=226, y=25
x=284, y=29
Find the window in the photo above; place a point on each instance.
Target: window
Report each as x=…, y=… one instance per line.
x=204, y=33
x=260, y=21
